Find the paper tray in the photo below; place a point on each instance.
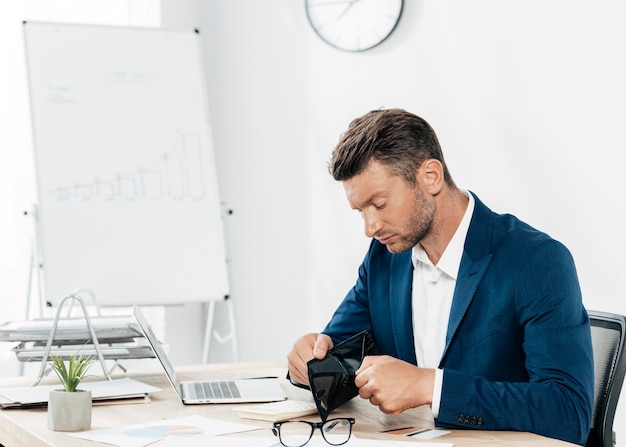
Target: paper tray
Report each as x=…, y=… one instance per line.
x=33, y=352
x=70, y=329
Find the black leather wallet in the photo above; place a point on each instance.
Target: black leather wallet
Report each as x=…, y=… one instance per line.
x=331, y=380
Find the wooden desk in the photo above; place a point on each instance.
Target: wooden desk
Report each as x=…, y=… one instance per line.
x=29, y=427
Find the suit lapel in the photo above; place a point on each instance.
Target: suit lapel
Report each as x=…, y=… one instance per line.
x=470, y=275
x=400, y=285
x=474, y=264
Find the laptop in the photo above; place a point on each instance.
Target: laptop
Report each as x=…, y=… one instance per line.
x=211, y=391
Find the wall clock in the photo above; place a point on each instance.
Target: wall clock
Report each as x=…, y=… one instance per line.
x=353, y=25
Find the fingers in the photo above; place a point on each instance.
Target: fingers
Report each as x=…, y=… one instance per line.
x=369, y=361
x=299, y=355
x=365, y=379
x=307, y=347
x=394, y=385
x=322, y=344
x=297, y=369
x=369, y=390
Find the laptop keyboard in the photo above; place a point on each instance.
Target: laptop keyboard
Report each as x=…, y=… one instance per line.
x=212, y=390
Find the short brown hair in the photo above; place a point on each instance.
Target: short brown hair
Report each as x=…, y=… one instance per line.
x=398, y=139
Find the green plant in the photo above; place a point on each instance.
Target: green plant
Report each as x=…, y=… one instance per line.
x=76, y=370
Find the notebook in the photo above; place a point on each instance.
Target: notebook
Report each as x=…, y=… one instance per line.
x=211, y=391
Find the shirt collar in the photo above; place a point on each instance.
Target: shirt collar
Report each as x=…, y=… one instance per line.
x=451, y=258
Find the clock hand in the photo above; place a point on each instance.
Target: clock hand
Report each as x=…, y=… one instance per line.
x=347, y=8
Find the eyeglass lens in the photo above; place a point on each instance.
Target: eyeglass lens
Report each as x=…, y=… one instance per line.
x=298, y=433
x=336, y=431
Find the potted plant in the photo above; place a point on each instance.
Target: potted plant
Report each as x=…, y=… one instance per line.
x=69, y=409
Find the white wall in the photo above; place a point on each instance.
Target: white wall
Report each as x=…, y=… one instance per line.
x=527, y=97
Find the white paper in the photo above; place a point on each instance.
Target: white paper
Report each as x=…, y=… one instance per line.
x=99, y=390
x=200, y=431
x=220, y=441
x=149, y=433
x=318, y=441
x=428, y=433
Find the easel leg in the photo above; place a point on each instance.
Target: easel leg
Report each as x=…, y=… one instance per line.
x=233, y=330
x=208, y=333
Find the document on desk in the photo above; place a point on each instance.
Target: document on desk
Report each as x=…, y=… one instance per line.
x=223, y=441
x=31, y=396
x=354, y=441
x=200, y=431
x=316, y=441
x=153, y=433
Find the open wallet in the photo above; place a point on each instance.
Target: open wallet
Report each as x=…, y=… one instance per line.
x=331, y=380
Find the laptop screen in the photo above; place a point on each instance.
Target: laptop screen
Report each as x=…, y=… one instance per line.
x=156, y=346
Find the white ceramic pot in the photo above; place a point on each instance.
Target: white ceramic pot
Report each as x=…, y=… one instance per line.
x=69, y=411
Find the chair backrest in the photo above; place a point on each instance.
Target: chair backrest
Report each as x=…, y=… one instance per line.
x=607, y=336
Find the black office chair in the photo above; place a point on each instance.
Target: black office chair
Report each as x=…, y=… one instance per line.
x=607, y=337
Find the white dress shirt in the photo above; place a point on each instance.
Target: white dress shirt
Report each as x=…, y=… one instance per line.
x=433, y=289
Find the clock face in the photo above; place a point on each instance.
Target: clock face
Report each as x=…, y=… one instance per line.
x=353, y=25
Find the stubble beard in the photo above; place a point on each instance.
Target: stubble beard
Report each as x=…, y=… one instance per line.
x=418, y=227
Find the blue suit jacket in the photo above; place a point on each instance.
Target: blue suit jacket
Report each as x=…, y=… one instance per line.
x=518, y=352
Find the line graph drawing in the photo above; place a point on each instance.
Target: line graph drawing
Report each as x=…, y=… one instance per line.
x=176, y=174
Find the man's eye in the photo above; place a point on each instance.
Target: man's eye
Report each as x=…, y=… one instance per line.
x=380, y=206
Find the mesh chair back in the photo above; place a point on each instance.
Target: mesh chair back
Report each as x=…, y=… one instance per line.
x=607, y=335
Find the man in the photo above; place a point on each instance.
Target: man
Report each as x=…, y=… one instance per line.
x=479, y=315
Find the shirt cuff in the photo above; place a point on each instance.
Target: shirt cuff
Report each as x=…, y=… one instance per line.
x=434, y=408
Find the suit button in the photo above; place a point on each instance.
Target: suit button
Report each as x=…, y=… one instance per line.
x=473, y=420
x=459, y=418
x=480, y=422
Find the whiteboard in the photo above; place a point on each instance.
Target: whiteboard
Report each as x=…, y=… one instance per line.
x=128, y=202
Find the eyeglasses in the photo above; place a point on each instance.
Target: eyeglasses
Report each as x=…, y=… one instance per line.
x=298, y=433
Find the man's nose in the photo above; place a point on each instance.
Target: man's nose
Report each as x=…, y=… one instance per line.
x=372, y=224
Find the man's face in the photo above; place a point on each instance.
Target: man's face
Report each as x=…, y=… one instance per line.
x=396, y=214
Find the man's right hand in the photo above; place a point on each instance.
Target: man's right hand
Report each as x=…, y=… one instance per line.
x=305, y=348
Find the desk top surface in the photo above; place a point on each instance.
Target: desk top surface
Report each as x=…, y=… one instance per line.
x=29, y=427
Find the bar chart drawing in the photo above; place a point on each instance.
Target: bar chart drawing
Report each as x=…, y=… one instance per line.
x=176, y=174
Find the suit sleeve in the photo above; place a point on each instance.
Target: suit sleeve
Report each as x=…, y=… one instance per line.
x=556, y=400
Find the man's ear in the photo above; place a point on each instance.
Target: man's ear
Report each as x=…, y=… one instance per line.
x=432, y=176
